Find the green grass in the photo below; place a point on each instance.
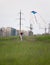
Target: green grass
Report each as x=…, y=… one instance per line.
x=33, y=50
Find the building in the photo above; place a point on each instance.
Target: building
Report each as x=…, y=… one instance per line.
x=13, y=32
x=8, y=31
x=2, y=31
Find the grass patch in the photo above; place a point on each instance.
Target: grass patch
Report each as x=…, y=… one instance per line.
x=30, y=51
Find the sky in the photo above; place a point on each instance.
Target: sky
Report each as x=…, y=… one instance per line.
x=9, y=14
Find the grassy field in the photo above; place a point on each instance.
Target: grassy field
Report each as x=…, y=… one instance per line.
x=33, y=50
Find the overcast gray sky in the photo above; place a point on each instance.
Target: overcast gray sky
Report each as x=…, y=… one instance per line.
x=9, y=13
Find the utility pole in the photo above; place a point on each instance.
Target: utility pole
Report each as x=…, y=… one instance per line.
x=20, y=21
x=20, y=26
x=20, y=32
